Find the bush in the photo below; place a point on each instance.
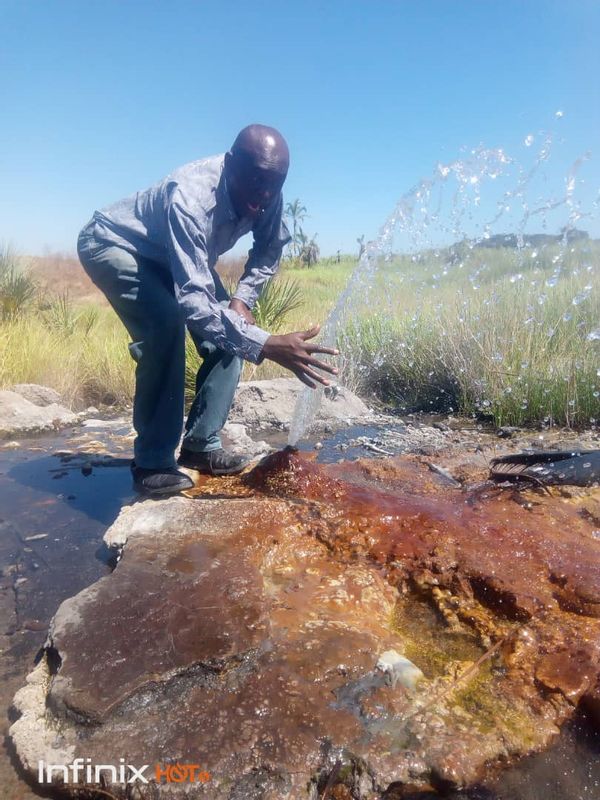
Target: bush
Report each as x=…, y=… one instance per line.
x=276, y=301
x=62, y=318
x=17, y=288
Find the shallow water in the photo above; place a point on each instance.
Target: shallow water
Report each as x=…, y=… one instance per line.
x=72, y=499
x=70, y=504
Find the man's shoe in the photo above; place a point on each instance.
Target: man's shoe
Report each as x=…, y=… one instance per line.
x=213, y=462
x=159, y=482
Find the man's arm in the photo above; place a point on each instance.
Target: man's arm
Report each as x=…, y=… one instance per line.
x=270, y=237
x=195, y=288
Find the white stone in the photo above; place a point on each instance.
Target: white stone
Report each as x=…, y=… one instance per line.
x=399, y=669
x=272, y=402
x=21, y=416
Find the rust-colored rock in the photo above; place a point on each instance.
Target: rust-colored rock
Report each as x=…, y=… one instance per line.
x=570, y=672
x=243, y=626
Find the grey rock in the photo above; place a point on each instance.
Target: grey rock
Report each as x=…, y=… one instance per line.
x=19, y=416
x=271, y=403
x=440, y=426
x=36, y=394
x=507, y=431
x=238, y=441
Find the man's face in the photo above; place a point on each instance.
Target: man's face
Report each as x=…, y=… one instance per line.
x=253, y=182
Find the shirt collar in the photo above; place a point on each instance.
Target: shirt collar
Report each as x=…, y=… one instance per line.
x=223, y=200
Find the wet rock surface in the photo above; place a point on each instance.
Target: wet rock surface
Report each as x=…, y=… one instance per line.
x=19, y=416
x=245, y=627
x=270, y=403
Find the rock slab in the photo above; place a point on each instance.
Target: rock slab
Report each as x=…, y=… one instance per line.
x=271, y=403
x=245, y=626
x=19, y=415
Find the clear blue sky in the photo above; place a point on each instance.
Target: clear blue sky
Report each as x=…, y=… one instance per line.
x=103, y=97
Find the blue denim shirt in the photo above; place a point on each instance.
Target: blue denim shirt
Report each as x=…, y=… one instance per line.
x=184, y=223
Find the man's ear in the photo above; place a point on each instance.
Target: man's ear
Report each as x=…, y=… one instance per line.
x=228, y=159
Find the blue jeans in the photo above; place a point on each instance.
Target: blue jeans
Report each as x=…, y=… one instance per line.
x=141, y=292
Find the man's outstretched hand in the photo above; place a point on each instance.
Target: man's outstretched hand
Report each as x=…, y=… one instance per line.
x=242, y=309
x=293, y=352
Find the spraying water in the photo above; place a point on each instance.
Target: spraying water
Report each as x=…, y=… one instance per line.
x=467, y=202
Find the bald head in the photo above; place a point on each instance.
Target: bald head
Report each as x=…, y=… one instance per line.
x=265, y=146
x=256, y=168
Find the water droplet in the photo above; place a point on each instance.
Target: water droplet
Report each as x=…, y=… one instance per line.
x=559, y=114
x=581, y=297
x=528, y=141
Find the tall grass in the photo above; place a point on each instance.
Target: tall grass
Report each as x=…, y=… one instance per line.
x=492, y=333
x=498, y=338
x=17, y=287
x=63, y=317
x=87, y=369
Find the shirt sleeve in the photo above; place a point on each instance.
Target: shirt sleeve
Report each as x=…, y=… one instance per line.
x=195, y=288
x=270, y=237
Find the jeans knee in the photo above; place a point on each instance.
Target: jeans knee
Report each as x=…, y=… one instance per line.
x=166, y=341
x=237, y=366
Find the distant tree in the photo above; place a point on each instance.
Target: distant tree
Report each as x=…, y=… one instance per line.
x=309, y=252
x=295, y=212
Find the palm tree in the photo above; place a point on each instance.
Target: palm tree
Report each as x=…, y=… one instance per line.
x=309, y=252
x=295, y=212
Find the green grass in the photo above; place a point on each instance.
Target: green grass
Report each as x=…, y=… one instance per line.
x=86, y=367
x=510, y=344
x=480, y=332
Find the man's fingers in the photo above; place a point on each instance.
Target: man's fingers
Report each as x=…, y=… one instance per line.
x=316, y=348
x=315, y=376
x=302, y=377
x=314, y=362
x=310, y=333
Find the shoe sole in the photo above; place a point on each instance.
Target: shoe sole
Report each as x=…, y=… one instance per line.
x=161, y=492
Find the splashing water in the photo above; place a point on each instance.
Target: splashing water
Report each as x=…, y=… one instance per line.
x=309, y=400
x=459, y=208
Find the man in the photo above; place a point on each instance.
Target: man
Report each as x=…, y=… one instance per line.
x=153, y=255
